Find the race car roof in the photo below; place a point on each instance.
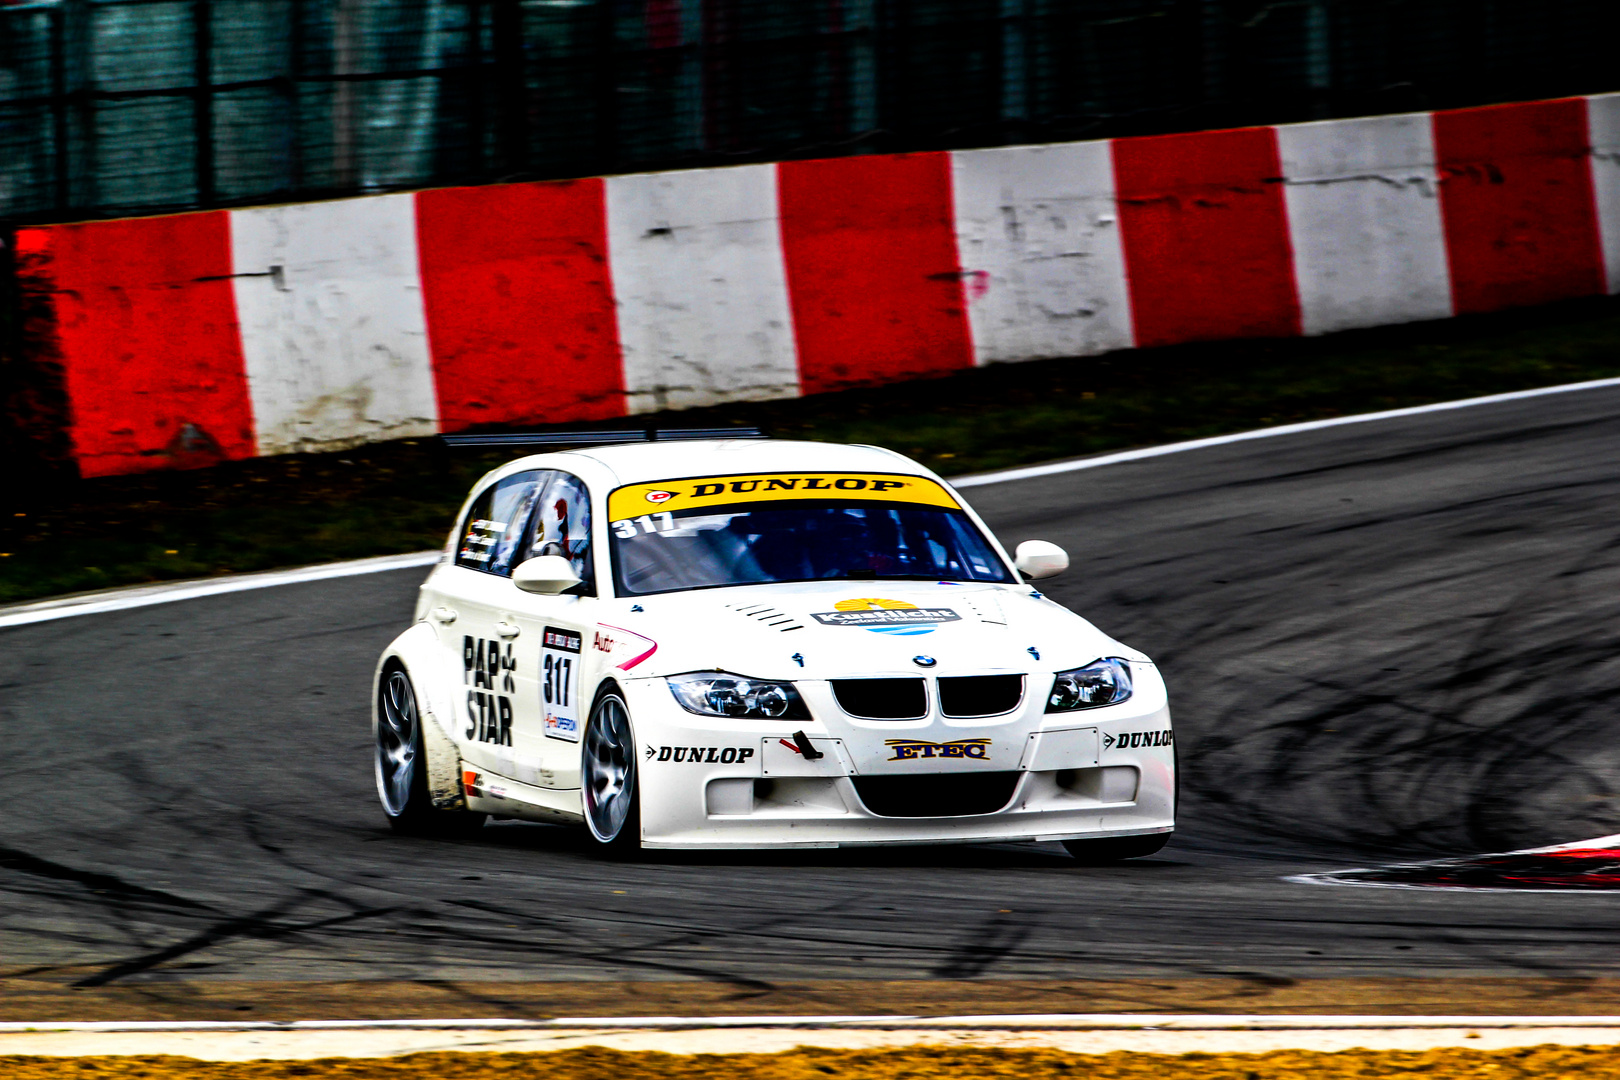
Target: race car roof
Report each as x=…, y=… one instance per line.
x=645, y=462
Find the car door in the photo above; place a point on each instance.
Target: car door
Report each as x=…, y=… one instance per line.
x=478, y=623
x=550, y=719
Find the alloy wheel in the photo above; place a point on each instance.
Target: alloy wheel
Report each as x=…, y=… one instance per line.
x=610, y=769
x=396, y=743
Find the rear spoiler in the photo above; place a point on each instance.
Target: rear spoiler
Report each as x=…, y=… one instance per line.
x=599, y=438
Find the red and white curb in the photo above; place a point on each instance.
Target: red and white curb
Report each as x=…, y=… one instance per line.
x=322, y=325
x=1074, y=1032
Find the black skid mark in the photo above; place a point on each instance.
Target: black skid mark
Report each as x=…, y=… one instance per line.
x=105, y=884
x=259, y=925
x=613, y=954
x=980, y=948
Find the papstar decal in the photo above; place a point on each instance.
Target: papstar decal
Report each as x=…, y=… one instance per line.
x=631, y=501
x=1135, y=740
x=912, y=749
x=885, y=616
x=487, y=670
x=704, y=755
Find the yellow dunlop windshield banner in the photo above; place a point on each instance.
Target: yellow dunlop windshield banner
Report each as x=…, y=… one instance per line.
x=705, y=491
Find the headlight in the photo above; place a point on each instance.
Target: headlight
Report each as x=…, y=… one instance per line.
x=711, y=693
x=1102, y=682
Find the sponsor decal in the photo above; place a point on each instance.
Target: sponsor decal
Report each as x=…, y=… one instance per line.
x=559, y=682
x=481, y=533
x=912, y=749
x=701, y=755
x=882, y=616
x=566, y=640
x=1135, y=740
x=625, y=648
x=487, y=668
x=707, y=491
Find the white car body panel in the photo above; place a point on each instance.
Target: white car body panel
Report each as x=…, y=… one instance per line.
x=719, y=782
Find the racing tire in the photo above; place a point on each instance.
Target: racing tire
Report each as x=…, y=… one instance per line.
x=400, y=764
x=1116, y=849
x=609, y=780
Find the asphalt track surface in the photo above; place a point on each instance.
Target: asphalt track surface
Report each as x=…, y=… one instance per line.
x=1391, y=640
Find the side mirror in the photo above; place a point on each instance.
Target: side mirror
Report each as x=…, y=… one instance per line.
x=546, y=575
x=1040, y=559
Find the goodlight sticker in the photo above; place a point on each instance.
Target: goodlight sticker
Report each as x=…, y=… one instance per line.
x=700, y=492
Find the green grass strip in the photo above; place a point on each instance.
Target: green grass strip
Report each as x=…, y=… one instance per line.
x=64, y=537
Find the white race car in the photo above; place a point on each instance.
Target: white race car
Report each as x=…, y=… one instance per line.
x=745, y=644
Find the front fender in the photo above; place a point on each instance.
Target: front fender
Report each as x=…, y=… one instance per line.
x=418, y=649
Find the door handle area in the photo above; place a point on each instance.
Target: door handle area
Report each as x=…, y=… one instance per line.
x=508, y=630
x=443, y=614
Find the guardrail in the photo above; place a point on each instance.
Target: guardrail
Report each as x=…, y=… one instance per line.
x=187, y=339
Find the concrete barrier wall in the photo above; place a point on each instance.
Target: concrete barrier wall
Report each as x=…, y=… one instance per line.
x=193, y=338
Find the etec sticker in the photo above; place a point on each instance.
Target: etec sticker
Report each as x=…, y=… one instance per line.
x=559, y=682
x=913, y=749
x=669, y=496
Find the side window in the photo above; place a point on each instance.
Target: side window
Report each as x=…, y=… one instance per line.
x=493, y=531
x=562, y=526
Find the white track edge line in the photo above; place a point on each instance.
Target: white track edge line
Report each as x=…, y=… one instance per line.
x=137, y=596
x=1031, y=471
x=1047, y=1022
x=145, y=595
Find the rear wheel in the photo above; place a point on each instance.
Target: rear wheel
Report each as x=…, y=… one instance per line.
x=401, y=764
x=1115, y=849
x=608, y=772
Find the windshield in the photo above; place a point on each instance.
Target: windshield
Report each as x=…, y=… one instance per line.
x=703, y=547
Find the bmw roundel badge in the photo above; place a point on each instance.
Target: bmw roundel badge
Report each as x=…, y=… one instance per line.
x=924, y=661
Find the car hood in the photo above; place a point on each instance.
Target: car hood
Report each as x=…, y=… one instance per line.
x=834, y=629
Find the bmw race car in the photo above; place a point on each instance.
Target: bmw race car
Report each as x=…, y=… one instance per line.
x=734, y=643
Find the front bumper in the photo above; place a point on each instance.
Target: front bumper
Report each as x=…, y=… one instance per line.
x=718, y=783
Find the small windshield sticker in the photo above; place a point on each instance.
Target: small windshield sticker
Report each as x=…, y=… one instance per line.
x=700, y=492
x=886, y=616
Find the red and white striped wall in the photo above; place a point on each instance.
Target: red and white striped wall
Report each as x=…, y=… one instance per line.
x=317, y=326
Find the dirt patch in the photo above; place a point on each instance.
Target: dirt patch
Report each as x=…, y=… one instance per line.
x=909, y=1064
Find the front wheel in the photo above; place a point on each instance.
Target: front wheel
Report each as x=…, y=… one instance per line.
x=608, y=772
x=401, y=764
x=1115, y=849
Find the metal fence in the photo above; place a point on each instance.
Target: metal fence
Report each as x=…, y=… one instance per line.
x=112, y=107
